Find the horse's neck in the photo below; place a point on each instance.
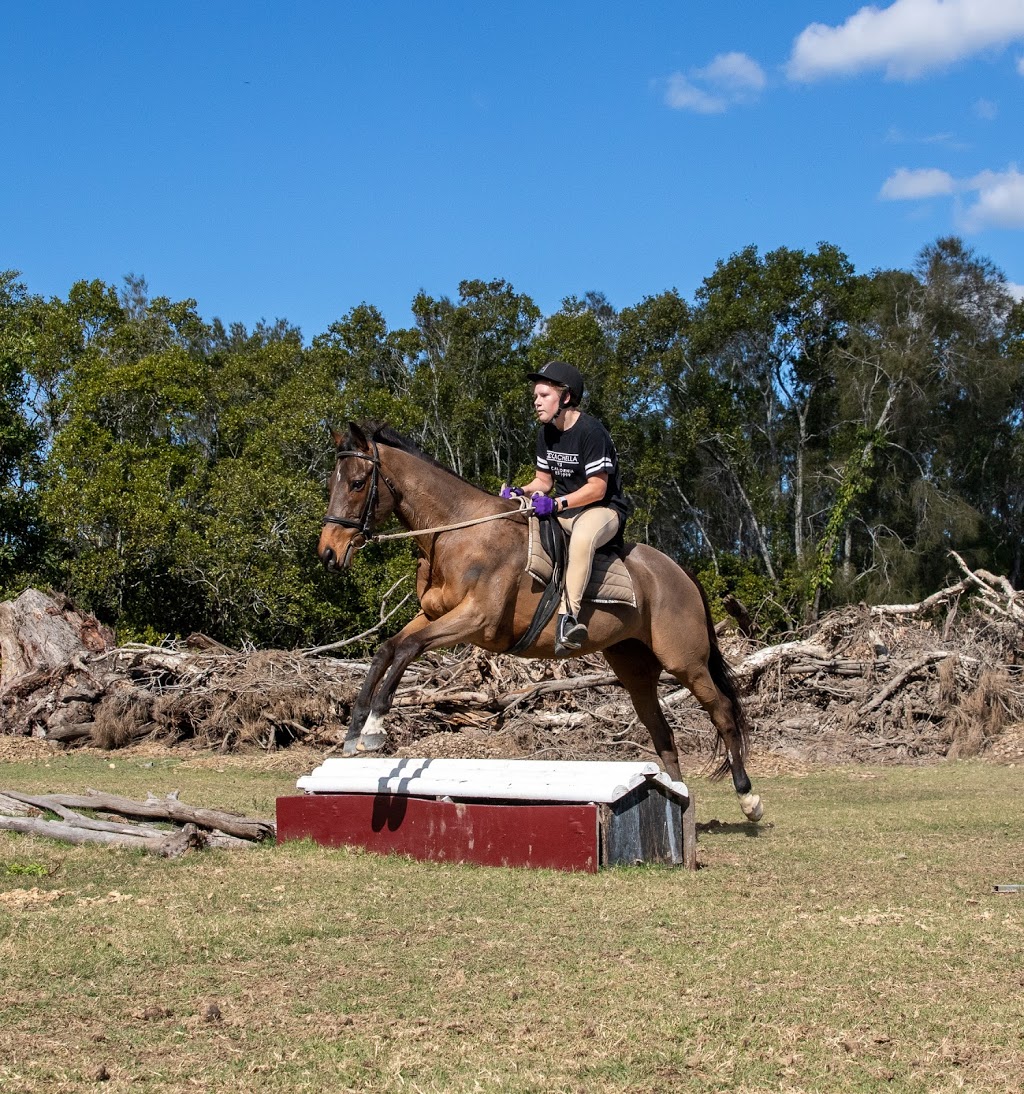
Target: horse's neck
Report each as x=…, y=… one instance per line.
x=430, y=496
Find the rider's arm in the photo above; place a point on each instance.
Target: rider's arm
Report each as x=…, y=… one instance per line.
x=541, y=484
x=592, y=490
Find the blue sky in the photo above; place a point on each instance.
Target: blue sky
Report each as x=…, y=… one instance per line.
x=293, y=160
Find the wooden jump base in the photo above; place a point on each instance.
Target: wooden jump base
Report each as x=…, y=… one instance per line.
x=563, y=815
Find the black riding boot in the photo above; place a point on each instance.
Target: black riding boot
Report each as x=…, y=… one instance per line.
x=570, y=634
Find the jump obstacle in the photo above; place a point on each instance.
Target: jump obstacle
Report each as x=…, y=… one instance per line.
x=559, y=814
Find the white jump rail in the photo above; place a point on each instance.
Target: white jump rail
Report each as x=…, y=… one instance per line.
x=598, y=781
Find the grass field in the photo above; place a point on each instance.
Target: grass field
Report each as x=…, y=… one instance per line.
x=854, y=942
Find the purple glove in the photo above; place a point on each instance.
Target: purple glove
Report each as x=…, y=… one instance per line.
x=543, y=506
x=511, y=491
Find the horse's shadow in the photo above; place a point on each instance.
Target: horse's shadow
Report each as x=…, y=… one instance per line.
x=728, y=828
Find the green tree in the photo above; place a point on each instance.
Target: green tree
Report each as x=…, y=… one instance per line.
x=768, y=330
x=468, y=378
x=662, y=410
x=124, y=408
x=369, y=370
x=932, y=386
x=20, y=532
x=254, y=511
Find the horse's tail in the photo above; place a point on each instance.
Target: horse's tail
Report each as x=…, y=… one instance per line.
x=725, y=680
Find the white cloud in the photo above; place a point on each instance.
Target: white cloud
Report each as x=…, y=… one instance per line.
x=729, y=79
x=895, y=135
x=1015, y=290
x=682, y=95
x=986, y=109
x=1000, y=200
x=997, y=202
x=907, y=38
x=733, y=72
x=925, y=182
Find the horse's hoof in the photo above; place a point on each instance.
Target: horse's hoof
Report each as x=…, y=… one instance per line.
x=751, y=806
x=371, y=742
x=349, y=747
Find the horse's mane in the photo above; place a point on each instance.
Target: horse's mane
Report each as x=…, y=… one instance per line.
x=382, y=433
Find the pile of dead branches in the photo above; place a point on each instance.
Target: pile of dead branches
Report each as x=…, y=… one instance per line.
x=196, y=690
x=890, y=683
x=896, y=682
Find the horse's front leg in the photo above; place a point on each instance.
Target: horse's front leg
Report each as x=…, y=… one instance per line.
x=379, y=665
x=418, y=636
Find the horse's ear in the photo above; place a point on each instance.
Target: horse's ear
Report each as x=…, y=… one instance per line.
x=357, y=438
x=337, y=439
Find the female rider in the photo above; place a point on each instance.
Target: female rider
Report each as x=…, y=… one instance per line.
x=576, y=457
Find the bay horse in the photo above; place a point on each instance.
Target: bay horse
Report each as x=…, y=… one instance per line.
x=473, y=587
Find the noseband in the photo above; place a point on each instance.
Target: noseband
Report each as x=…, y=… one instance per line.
x=364, y=525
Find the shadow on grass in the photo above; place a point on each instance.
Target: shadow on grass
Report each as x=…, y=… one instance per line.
x=727, y=828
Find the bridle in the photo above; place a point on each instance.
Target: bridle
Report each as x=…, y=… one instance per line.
x=364, y=525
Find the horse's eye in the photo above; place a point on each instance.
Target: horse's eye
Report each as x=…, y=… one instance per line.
x=357, y=484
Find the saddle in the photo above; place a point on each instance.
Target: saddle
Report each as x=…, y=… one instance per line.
x=610, y=581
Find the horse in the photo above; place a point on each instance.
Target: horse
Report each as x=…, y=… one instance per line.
x=473, y=587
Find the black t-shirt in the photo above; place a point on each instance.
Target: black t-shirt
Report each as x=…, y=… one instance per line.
x=572, y=456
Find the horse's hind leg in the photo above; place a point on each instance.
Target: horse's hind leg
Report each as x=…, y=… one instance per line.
x=638, y=670
x=695, y=673
x=722, y=710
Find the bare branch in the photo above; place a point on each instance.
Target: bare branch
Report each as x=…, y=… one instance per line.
x=372, y=630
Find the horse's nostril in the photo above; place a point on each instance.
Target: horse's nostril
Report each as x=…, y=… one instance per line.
x=327, y=558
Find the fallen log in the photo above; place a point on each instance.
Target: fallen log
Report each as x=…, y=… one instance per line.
x=79, y=820
x=756, y=663
x=16, y=807
x=922, y=607
x=74, y=732
x=739, y=611
x=992, y=587
x=169, y=845
x=416, y=697
x=168, y=809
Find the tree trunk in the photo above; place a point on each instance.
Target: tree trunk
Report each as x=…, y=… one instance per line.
x=718, y=454
x=40, y=633
x=798, y=485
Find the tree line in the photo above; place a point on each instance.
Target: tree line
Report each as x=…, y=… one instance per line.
x=799, y=434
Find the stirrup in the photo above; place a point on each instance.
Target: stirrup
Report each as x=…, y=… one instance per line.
x=570, y=634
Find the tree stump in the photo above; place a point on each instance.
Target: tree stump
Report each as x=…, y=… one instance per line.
x=40, y=633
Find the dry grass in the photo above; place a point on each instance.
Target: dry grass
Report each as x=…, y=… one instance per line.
x=853, y=944
x=121, y=717
x=981, y=715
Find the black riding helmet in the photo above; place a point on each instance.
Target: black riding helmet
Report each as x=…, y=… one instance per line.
x=558, y=372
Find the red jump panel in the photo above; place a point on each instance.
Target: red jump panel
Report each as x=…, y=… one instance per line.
x=556, y=837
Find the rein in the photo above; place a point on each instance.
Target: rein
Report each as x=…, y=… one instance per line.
x=364, y=525
x=524, y=507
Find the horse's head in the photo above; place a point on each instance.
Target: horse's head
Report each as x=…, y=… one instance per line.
x=354, y=505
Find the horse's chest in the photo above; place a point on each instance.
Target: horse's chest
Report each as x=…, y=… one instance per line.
x=430, y=590
x=440, y=593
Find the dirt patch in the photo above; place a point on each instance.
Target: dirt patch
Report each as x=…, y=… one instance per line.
x=1008, y=746
x=15, y=750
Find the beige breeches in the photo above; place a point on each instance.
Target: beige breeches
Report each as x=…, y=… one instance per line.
x=587, y=531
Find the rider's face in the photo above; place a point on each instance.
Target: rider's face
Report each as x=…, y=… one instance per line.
x=547, y=401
